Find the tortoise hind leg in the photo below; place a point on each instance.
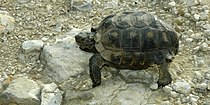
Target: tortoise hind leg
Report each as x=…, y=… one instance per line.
x=164, y=75
x=95, y=64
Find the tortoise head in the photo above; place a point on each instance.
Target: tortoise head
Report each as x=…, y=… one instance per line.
x=86, y=41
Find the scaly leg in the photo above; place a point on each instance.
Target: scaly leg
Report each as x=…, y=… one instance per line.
x=164, y=75
x=95, y=63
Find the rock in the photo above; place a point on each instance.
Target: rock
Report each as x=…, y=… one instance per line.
x=174, y=94
x=207, y=76
x=193, y=99
x=51, y=95
x=1, y=84
x=21, y=91
x=141, y=76
x=206, y=26
x=201, y=87
x=81, y=5
x=198, y=75
x=105, y=94
x=204, y=16
x=191, y=2
x=133, y=98
x=154, y=86
x=30, y=51
x=206, y=101
x=208, y=86
x=199, y=62
x=63, y=60
x=206, y=33
x=187, y=15
x=7, y=23
x=167, y=89
x=113, y=4
x=204, y=47
x=23, y=1
x=189, y=40
x=178, y=21
x=196, y=17
x=165, y=103
x=172, y=4
x=204, y=2
x=156, y=97
x=181, y=87
x=184, y=99
x=196, y=35
x=82, y=97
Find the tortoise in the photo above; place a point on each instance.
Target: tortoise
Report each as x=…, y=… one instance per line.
x=130, y=40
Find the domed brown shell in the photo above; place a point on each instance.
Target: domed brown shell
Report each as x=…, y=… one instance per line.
x=133, y=38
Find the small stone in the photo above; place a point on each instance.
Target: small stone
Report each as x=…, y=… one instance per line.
x=187, y=15
x=189, y=40
x=193, y=99
x=207, y=76
x=206, y=26
x=178, y=29
x=196, y=35
x=201, y=87
x=30, y=51
x=32, y=45
x=172, y=4
x=199, y=61
x=178, y=21
x=206, y=33
x=184, y=99
x=191, y=2
x=196, y=17
x=181, y=87
x=45, y=38
x=190, y=32
x=198, y=75
x=81, y=5
x=208, y=86
x=203, y=16
x=204, y=47
x=23, y=1
x=167, y=89
x=165, y=103
x=154, y=86
x=204, y=1
x=174, y=94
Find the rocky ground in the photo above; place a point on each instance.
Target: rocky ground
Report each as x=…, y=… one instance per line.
x=40, y=62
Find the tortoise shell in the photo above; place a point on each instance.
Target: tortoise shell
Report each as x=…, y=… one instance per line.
x=133, y=38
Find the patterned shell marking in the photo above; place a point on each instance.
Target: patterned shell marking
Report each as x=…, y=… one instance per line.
x=133, y=38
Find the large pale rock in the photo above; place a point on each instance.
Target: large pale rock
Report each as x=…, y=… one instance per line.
x=21, y=91
x=64, y=59
x=147, y=77
x=51, y=95
x=115, y=91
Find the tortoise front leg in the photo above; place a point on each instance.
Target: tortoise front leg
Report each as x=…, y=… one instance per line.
x=95, y=64
x=164, y=75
